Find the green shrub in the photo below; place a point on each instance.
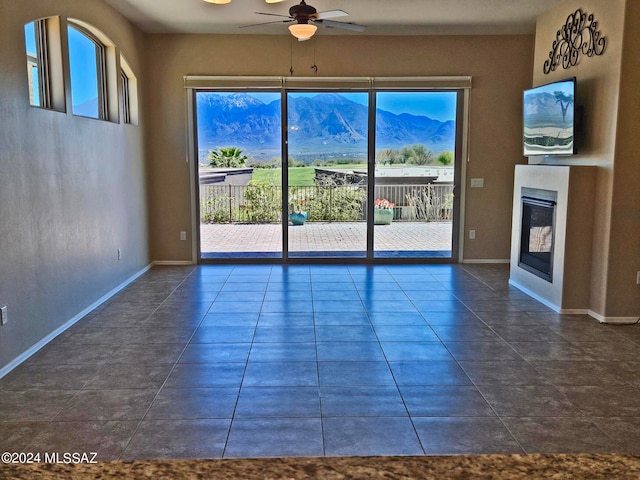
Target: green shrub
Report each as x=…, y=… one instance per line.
x=330, y=202
x=214, y=209
x=446, y=157
x=262, y=203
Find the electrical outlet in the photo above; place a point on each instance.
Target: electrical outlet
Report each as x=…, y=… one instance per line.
x=183, y=236
x=472, y=234
x=119, y=254
x=3, y=315
x=477, y=182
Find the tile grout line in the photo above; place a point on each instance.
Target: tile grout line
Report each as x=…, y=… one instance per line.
x=244, y=371
x=395, y=381
x=172, y=367
x=315, y=342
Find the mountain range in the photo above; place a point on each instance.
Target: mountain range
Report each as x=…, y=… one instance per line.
x=326, y=125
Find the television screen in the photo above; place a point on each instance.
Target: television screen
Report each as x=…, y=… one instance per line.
x=549, y=119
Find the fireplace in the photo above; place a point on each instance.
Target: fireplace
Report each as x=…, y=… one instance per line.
x=537, y=231
x=551, y=232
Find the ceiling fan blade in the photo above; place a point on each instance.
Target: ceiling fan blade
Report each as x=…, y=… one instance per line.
x=331, y=14
x=272, y=14
x=265, y=23
x=345, y=26
x=274, y=1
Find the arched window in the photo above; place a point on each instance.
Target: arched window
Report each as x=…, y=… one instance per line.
x=87, y=66
x=100, y=82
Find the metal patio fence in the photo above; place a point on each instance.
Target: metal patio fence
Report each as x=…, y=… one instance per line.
x=261, y=203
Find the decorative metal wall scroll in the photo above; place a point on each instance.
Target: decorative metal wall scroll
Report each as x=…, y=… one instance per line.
x=579, y=35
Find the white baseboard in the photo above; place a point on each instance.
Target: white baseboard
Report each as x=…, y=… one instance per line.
x=535, y=296
x=486, y=260
x=577, y=311
x=34, y=348
x=164, y=263
x=614, y=320
x=574, y=311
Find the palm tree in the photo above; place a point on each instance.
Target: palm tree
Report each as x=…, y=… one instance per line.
x=227, y=157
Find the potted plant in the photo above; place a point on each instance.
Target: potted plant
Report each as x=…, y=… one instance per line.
x=297, y=215
x=382, y=211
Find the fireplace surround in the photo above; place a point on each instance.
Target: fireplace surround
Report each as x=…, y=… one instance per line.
x=551, y=237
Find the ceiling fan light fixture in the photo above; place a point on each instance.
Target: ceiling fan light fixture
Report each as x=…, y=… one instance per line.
x=302, y=31
x=218, y=2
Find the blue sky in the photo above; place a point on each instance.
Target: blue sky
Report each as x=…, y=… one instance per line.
x=437, y=105
x=31, y=50
x=82, y=61
x=30, y=38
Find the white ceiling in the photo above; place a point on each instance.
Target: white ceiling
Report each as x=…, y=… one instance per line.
x=382, y=17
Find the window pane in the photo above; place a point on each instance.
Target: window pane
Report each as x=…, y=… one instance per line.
x=328, y=141
x=83, y=63
x=33, y=65
x=240, y=159
x=415, y=171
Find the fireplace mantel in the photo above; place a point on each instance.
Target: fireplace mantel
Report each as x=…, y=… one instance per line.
x=569, y=289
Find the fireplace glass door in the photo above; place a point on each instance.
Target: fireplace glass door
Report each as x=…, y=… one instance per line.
x=536, y=242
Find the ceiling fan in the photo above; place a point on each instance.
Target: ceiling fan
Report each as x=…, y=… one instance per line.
x=306, y=18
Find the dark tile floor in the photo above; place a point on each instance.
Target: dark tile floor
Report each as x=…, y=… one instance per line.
x=253, y=361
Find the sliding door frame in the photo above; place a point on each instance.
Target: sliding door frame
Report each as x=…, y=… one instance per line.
x=459, y=84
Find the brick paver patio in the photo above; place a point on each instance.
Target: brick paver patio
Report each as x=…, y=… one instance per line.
x=429, y=238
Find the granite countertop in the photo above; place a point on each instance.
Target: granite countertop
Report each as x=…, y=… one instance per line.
x=498, y=467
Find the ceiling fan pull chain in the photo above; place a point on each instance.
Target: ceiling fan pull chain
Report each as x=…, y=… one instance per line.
x=314, y=67
x=291, y=56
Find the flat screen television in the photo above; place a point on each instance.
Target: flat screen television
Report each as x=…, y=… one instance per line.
x=549, y=119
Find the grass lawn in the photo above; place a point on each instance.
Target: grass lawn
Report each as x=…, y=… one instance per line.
x=298, y=176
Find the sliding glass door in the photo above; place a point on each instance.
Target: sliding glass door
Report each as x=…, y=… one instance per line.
x=327, y=174
x=239, y=174
x=417, y=143
x=370, y=173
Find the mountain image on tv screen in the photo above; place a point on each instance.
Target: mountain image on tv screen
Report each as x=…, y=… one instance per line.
x=549, y=125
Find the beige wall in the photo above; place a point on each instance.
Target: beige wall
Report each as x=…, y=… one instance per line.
x=623, y=294
x=72, y=190
x=500, y=67
x=607, y=143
